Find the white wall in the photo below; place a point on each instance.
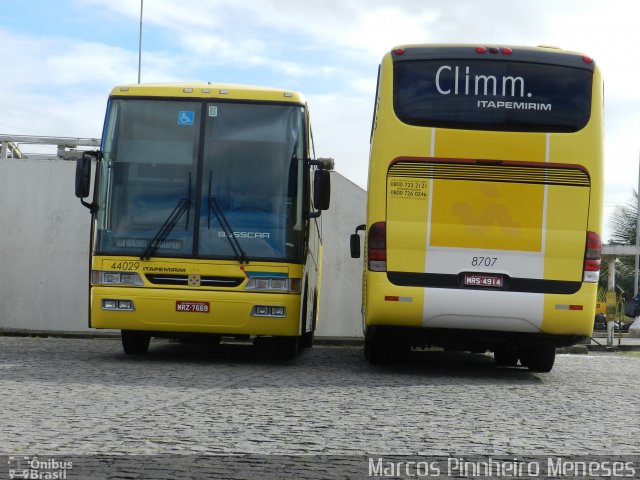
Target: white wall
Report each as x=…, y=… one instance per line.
x=44, y=259
x=44, y=242
x=341, y=294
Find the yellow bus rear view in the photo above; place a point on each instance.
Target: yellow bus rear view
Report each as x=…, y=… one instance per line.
x=485, y=201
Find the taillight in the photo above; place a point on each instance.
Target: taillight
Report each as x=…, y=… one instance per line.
x=377, y=247
x=504, y=51
x=591, y=271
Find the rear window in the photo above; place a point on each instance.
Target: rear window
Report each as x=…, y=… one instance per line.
x=496, y=95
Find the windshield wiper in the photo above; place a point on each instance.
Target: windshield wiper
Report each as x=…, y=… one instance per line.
x=222, y=219
x=183, y=206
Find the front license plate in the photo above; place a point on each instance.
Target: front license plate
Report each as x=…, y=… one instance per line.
x=197, y=307
x=482, y=280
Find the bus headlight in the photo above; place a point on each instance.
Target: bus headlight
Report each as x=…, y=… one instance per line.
x=129, y=279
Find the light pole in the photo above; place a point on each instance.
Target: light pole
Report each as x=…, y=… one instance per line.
x=635, y=284
x=140, y=44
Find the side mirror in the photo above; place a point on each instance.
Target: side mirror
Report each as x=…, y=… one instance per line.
x=355, y=245
x=354, y=241
x=321, y=189
x=83, y=176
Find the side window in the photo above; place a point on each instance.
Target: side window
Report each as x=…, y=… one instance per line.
x=376, y=104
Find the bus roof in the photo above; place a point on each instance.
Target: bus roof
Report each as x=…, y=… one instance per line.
x=544, y=53
x=208, y=90
x=539, y=48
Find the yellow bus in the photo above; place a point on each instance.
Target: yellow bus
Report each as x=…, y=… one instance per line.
x=205, y=215
x=485, y=197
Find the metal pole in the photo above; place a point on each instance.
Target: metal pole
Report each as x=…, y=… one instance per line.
x=140, y=43
x=611, y=300
x=635, y=284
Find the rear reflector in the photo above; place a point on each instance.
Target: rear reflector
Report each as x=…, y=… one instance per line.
x=592, y=265
x=570, y=307
x=396, y=298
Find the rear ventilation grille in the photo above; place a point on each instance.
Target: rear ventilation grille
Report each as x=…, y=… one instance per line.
x=487, y=171
x=205, y=281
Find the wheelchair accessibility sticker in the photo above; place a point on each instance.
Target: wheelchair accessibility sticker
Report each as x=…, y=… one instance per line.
x=185, y=117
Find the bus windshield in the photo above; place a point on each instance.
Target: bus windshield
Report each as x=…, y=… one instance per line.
x=205, y=179
x=492, y=95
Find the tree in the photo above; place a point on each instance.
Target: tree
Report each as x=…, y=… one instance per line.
x=623, y=223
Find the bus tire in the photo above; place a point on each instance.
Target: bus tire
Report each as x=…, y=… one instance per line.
x=401, y=351
x=506, y=356
x=306, y=340
x=286, y=348
x=538, y=359
x=134, y=342
x=377, y=349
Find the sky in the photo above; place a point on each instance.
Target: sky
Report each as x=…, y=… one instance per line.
x=62, y=58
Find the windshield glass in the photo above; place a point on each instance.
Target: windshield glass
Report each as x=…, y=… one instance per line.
x=150, y=156
x=200, y=179
x=509, y=96
x=252, y=167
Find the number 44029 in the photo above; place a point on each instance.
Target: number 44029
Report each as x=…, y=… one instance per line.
x=125, y=265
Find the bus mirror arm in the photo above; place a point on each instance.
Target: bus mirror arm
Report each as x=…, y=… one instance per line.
x=323, y=163
x=93, y=208
x=355, y=241
x=83, y=177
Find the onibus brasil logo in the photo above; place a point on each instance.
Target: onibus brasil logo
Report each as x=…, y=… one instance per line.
x=35, y=468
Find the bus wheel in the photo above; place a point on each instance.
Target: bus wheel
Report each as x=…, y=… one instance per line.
x=538, y=359
x=135, y=343
x=376, y=350
x=287, y=347
x=306, y=340
x=506, y=356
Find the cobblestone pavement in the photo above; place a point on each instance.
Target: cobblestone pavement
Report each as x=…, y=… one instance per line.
x=84, y=396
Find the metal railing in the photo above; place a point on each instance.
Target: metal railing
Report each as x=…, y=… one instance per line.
x=67, y=147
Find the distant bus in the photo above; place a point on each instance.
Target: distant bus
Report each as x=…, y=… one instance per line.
x=205, y=216
x=485, y=199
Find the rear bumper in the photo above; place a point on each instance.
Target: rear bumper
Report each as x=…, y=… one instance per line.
x=478, y=309
x=226, y=312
